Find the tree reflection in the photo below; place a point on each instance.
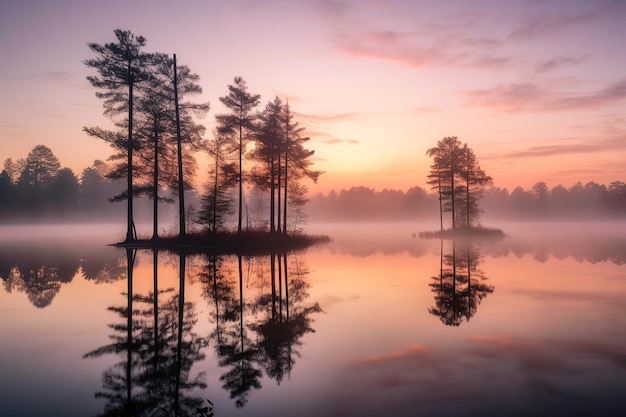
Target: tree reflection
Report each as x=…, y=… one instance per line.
x=40, y=270
x=37, y=273
x=277, y=313
x=158, y=348
x=239, y=354
x=459, y=287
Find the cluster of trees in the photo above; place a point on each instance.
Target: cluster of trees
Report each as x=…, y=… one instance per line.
x=38, y=187
x=148, y=94
x=279, y=159
x=459, y=181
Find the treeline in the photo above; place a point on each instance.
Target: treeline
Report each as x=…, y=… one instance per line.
x=591, y=201
x=366, y=204
x=38, y=188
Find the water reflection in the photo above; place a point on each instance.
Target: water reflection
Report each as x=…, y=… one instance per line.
x=277, y=315
x=40, y=270
x=459, y=288
x=259, y=309
x=157, y=347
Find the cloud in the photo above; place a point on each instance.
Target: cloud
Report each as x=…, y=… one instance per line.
x=541, y=25
x=556, y=62
x=326, y=118
x=336, y=141
x=490, y=375
x=328, y=138
x=592, y=146
x=321, y=120
x=439, y=47
x=532, y=97
x=412, y=38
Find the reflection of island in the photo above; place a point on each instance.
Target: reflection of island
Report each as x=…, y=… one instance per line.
x=459, y=288
x=37, y=273
x=157, y=347
x=40, y=270
x=277, y=314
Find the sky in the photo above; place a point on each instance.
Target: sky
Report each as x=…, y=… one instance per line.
x=537, y=88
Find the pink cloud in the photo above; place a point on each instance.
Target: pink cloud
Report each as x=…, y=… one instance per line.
x=532, y=97
x=544, y=24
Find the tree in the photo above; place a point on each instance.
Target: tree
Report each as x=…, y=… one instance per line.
x=458, y=179
x=216, y=203
x=41, y=167
x=447, y=165
x=616, y=196
x=474, y=182
x=158, y=155
x=238, y=123
x=14, y=169
x=63, y=191
x=540, y=191
x=268, y=135
x=121, y=67
x=297, y=163
x=185, y=83
x=7, y=194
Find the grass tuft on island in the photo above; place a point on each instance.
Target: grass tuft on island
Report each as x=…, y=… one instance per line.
x=247, y=243
x=464, y=233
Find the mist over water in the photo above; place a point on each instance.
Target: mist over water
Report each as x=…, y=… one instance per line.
x=531, y=324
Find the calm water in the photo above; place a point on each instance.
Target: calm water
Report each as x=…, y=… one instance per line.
x=377, y=322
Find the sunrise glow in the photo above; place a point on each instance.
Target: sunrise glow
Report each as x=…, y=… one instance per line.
x=536, y=89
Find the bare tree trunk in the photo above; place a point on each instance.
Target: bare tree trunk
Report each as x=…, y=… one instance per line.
x=240, y=170
x=452, y=174
x=272, y=192
x=278, y=187
x=440, y=204
x=155, y=189
x=215, y=180
x=286, y=174
x=130, y=226
x=181, y=188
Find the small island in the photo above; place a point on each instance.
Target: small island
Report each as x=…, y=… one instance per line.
x=247, y=243
x=148, y=96
x=459, y=181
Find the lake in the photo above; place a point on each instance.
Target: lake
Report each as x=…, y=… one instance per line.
x=377, y=322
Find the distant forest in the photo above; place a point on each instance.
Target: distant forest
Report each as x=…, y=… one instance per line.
x=38, y=188
x=591, y=201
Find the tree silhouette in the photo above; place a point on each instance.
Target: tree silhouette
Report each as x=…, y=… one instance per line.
x=459, y=287
x=37, y=272
x=286, y=318
x=121, y=67
x=217, y=203
x=240, y=356
x=155, y=120
x=268, y=143
x=458, y=179
x=297, y=165
x=447, y=164
x=188, y=133
x=41, y=167
x=237, y=124
x=158, y=347
x=474, y=181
